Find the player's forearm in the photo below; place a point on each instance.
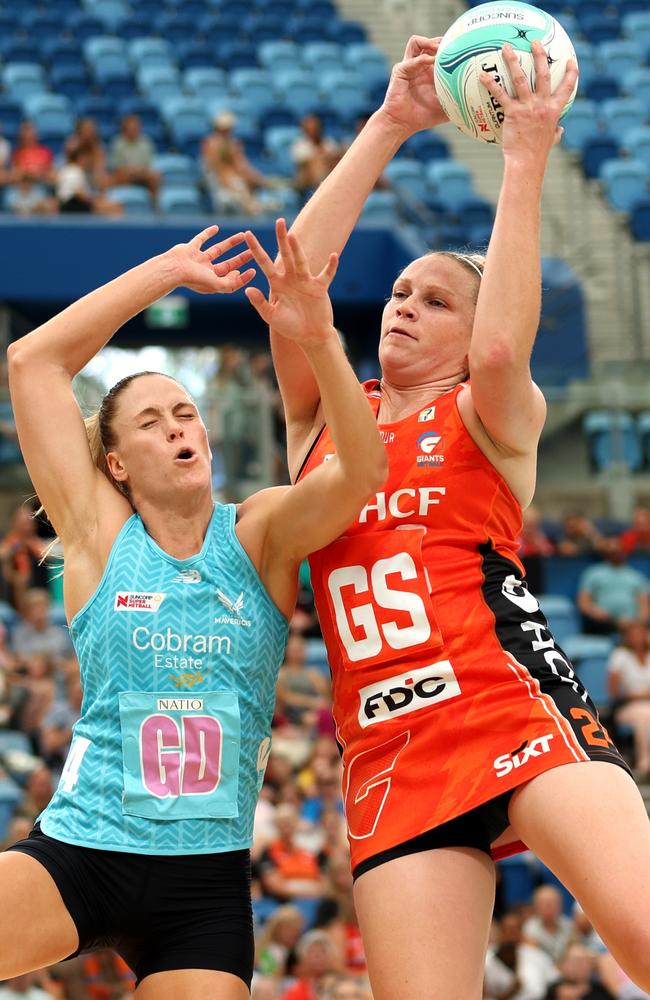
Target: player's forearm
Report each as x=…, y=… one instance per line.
x=73, y=337
x=509, y=301
x=346, y=412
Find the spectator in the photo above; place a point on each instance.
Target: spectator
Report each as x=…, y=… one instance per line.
x=33, y=683
x=584, y=933
x=336, y=914
x=534, y=547
x=56, y=727
x=25, y=987
x=548, y=927
x=107, y=976
x=313, y=154
x=36, y=634
x=637, y=538
x=86, y=140
x=9, y=450
x=231, y=178
x=287, y=869
x=315, y=961
x=347, y=988
x=227, y=403
x=132, y=155
x=265, y=988
x=302, y=690
x=578, y=970
x=25, y=197
x=579, y=536
x=38, y=792
x=5, y=159
x=73, y=191
x=31, y=159
x=610, y=594
x=278, y=940
x=21, y=556
x=516, y=969
x=629, y=687
x=19, y=828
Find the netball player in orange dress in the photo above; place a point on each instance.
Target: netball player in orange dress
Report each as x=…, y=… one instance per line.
x=465, y=731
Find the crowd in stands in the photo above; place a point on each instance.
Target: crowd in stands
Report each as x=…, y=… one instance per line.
x=309, y=945
x=87, y=177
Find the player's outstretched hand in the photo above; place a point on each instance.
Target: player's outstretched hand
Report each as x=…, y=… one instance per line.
x=531, y=126
x=196, y=269
x=411, y=99
x=298, y=306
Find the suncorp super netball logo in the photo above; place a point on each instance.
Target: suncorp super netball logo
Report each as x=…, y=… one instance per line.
x=129, y=601
x=430, y=449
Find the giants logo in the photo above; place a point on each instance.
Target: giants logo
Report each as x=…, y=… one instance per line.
x=510, y=761
x=395, y=696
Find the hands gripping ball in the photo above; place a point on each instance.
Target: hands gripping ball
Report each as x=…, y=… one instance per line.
x=474, y=43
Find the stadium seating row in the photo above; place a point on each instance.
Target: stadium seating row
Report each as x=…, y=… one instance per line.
x=618, y=437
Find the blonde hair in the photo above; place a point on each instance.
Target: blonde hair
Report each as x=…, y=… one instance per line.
x=471, y=261
x=102, y=438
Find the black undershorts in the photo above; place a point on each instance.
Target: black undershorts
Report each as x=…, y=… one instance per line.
x=478, y=828
x=159, y=913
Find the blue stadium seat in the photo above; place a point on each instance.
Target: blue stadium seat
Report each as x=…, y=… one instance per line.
x=134, y=200
x=110, y=12
x=8, y=617
x=278, y=140
x=146, y=52
x=22, y=79
x=17, y=50
x=205, y=81
x=180, y=201
x=175, y=25
x=599, y=27
x=98, y=46
x=280, y=55
x=236, y=55
x=586, y=55
x=345, y=32
x=627, y=7
x=159, y=82
x=70, y=81
x=581, y=124
x=622, y=114
x=371, y=64
x=380, y=206
x=612, y=437
x=581, y=647
x=256, y=84
x=407, y=177
x=561, y=614
x=636, y=142
x=136, y=25
x=262, y=27
x=450, y=181
x=320, y=57
x=80, y=25
x=637, y=27
x=592, y=671
x=602, y=88
x=596, y=151
x=625, y=182
x=344, y=91
x=425, y=146
x=195, y=54
x=617, y=56
x=315, y=649
x=11, y=115
x=263, y=907
x=477, y=216
x=176, y=170
x=636, y=83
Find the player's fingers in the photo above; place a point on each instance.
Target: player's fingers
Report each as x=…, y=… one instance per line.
x=217, y=249
x=542, y=69
x=202, y=237
x=224, y=266
x=420, y=43
x=259, y=303
x=285, y=248
x=517, y=75
x=259, y=254
x=330, y=269
x=301, y=264
x=236, y=279
x=559, y=132
x=411, y=67
x=496, y=90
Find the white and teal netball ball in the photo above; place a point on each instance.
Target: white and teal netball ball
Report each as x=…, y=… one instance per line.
x=474, y=43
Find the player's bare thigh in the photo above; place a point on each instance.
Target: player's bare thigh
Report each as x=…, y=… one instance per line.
x=35, y=927
x=192, y=984
x=588, y=823
x=425, y=922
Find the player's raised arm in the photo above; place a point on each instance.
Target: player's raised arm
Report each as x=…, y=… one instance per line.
x=319, y=508
x=325, y=223
x=75, y=494
x=508, y=403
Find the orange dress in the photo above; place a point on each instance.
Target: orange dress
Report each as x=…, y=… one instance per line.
x=448, y=686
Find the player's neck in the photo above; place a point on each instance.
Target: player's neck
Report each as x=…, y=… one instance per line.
x=179, y=532
x=398, y=401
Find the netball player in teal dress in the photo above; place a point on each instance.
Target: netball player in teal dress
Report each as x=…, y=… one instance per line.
x=178, y=611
